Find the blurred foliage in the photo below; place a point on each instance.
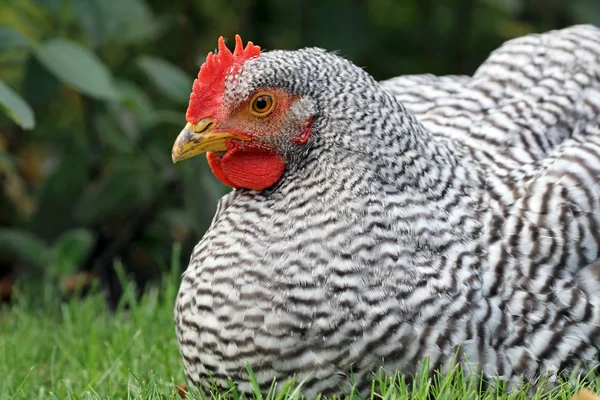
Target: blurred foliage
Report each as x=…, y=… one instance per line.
x=93, y=92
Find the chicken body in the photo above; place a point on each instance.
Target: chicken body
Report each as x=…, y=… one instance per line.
x=425, y=217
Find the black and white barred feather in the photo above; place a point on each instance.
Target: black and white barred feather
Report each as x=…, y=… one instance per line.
x=426, y=215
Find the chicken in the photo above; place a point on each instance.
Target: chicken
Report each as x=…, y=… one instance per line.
x=381, y=223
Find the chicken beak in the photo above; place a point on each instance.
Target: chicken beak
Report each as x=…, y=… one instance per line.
x=200, y=138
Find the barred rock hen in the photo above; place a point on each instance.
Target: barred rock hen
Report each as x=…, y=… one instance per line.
x=382, y=223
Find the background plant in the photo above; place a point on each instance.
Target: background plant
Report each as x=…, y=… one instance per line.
x=93, y=93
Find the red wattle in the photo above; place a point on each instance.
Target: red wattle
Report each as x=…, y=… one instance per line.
x=214, y=162
x=303, y=137
x=250, y=166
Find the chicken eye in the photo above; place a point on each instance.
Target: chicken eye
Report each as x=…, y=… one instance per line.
x=262, y=105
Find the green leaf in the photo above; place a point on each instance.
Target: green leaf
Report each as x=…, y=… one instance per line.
x=509, y=7
x=104, y=19
x=169, y=117
x=61, y=188
x=129, y=186
x=23, y=245
x=587, y=12
x=171, y=80
x=10, y=38
x=70, y=249
x=120, y=25
x=89, y=15
x=135, y=99
x=350, y=26
x=77, y=67
x=112, y=136
x=40, y=87
x=53, y=6
x=16, y=108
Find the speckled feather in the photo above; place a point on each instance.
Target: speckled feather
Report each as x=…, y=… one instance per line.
x=425, y=215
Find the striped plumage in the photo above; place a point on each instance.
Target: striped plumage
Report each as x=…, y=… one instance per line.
x=463, y=212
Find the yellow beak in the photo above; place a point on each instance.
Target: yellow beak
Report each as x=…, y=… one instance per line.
x=200, y=138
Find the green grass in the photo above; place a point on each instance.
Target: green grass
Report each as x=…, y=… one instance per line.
x=82, y=350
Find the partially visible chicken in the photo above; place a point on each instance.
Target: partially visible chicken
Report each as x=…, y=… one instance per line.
x=525, y=99
x=461, y=215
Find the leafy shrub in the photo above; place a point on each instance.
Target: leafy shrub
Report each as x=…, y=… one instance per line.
x=95, y=91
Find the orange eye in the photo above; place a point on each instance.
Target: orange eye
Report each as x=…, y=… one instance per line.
x=262, y=105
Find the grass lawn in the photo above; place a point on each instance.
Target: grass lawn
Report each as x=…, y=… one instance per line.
x=82, y=350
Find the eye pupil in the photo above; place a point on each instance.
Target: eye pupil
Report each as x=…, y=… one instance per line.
x=262, y=104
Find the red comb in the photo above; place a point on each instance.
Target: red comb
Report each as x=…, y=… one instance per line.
x=207, y=90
